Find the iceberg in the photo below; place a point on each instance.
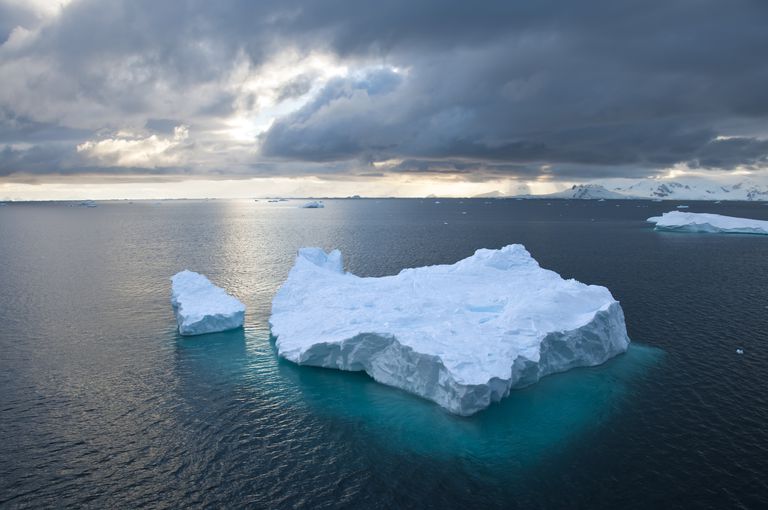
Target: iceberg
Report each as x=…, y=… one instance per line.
x=461, y=335
x=202, y=307
x=709, y=223
x=313, y=205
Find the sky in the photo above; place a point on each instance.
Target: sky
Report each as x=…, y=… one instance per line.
x=241, y=98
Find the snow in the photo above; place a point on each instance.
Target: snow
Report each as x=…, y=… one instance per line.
x=490, y=194
x=461, y=335
x=315, y=204
x=686, y=188
x=202, y=307
x=705, y=222
x=583, y=192
x=696, y=188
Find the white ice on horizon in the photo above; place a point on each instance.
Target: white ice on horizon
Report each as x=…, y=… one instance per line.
x=315, y=204
x=461, y=335
x=708, y=223
x=202, y=307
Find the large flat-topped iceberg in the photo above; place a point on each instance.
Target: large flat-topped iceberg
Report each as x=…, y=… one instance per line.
x=461, y=335
x=711, y=223
x=202, y=307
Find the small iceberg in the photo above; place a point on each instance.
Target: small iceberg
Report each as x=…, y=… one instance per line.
x=460, y=335
x=708, y=223
x=315, y=204
x=202, y=307
x=88, y=203
x=682, y=207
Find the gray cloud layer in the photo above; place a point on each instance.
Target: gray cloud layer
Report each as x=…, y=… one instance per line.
x=596, y=88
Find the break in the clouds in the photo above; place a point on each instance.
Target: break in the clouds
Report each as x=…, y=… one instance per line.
x=529, y=89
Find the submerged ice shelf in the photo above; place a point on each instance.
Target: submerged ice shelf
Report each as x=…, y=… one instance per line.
x=461, y=335
x=202, y=307
x=710, y=223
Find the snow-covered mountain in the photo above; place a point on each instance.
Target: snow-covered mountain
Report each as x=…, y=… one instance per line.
x=699, y=189
x=584, y=192
x=490, y=194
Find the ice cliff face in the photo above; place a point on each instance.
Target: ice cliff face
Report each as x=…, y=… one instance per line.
x=708, y=223
x=202, y=307
x=461, y=335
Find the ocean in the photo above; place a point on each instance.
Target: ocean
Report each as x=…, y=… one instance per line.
x=104, y=405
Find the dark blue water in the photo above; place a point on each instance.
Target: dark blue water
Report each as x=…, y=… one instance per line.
x=103, y=405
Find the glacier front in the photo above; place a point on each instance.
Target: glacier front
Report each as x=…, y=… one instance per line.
x=202, y=307
x=461, y=335
x=708, y=223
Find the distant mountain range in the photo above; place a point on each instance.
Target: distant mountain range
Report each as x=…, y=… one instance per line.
x=691, y=189
x=587, y=192
x=490, y=194
x=698, y=190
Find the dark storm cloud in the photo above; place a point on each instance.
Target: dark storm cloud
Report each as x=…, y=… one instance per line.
x=63, y=159
x=37, y=159
x=296, y=88
x=18, y=129
x=11, y=17
x=629, y=85
x=587, y=89
x=732, y=152
x=480, y=171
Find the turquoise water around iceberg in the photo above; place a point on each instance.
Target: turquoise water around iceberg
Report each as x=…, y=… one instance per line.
x=104, y=404
x=517, y=431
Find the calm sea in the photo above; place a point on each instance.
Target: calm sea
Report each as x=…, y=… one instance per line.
x=104, y=405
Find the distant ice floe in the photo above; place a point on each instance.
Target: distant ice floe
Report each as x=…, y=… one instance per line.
x=461, y=335
x=708, y=223
x=315, y=204
x=202, y=307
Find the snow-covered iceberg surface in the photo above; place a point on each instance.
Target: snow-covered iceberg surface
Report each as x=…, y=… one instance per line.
x=315, y=204
x=704, y=222
x=202, y=307
x=461, y=335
